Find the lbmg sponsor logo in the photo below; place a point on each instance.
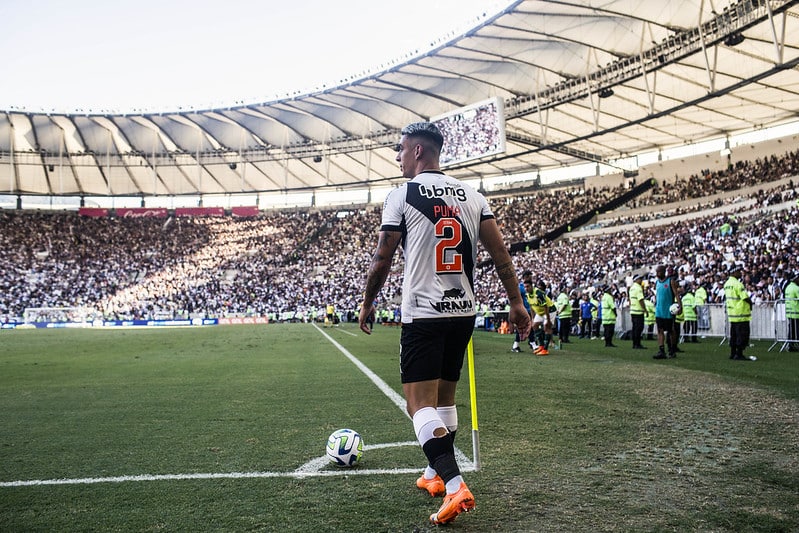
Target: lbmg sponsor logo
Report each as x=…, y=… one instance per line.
x=441, y=191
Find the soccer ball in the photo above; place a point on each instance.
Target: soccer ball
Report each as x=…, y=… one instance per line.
x=344, y=447
x=674, y=308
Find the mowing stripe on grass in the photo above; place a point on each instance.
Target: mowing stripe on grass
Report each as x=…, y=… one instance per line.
x=398, y=400
x=313, y=468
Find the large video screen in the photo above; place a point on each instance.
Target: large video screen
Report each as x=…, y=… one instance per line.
x=473, y=131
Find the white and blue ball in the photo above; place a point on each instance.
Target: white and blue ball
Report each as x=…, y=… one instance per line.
x=344, y=447
x=674, y=309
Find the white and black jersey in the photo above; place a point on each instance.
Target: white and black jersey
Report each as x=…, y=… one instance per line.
x=439, y=218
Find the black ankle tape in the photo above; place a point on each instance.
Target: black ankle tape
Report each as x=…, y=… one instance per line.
x=440, y=454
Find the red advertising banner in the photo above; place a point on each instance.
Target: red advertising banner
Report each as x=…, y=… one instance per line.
x=230, y=321
x=245, y=211
x=93, y=211
x=139, y=212
x=199, y=211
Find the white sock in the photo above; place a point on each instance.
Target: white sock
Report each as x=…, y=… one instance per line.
x=454, y=484
x=429, y=472
x=449, y=415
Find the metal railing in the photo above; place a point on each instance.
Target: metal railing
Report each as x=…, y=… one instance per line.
x=769, y=322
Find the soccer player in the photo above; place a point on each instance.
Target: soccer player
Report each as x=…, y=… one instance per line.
x=544, y=316
x=330, y=313
x=438, y=220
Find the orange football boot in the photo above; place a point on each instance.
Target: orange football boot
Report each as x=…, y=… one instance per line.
x=434, y=486
x=454, y=504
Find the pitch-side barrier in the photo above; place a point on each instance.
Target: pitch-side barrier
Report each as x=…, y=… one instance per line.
x=768, y=323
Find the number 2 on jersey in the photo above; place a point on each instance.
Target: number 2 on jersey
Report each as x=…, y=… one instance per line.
x=449, y=233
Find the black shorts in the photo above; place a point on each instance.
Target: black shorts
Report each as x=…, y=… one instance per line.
x=664, y=324
x=434, y=349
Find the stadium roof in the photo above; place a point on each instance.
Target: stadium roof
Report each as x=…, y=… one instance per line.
x=580, y=80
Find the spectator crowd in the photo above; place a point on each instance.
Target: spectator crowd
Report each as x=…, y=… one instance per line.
x=291, y=264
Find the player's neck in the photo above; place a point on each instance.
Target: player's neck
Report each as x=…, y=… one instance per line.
x=426, y=166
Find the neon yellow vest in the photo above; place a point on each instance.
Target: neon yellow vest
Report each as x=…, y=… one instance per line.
x=636, y=295
x=792, y=300
x=734, y=295
x=689, y=306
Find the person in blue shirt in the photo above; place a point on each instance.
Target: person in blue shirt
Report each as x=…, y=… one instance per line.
x=586, y=317
x=527, y=276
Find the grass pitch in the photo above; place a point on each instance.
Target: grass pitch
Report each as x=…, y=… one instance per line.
x=206, y=429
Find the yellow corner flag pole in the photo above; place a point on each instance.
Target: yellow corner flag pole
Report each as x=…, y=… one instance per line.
x=473, y=399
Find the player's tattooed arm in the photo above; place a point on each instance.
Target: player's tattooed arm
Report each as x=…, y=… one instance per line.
x=505, y=271
x=381, y=264
x=507, y=275
x=387, y=243
x=494, y=244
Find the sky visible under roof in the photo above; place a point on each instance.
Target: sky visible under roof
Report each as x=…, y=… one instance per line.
x=168, y=55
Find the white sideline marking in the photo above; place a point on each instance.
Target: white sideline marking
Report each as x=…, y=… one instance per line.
x=312, y=468
x=183, y=477
x=398, y=400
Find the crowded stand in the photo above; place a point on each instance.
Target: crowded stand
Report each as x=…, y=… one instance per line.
x=523, y=218
x=698, y=249
x=129, y=268
x=740, y=175
x=532, y=215
x=288, y=265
